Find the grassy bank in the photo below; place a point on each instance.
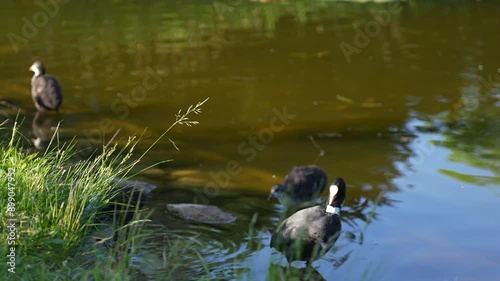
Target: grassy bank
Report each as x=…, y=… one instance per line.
x=50, y=207
x=53, y=209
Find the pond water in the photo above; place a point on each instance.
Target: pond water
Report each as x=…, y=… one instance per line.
x=401, y=99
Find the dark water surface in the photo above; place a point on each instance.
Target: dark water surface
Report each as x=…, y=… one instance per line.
x=400, y=99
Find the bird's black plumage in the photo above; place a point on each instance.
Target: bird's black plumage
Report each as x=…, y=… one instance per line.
x=45, y=89
x=309, y=233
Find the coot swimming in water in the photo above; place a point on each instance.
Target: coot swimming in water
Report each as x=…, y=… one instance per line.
x=45, y=89
x=301, y=186
x=309, y=233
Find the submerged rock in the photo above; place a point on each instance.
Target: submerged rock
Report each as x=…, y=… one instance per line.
x=127, y=196
x=138, y=185
x=200, y=213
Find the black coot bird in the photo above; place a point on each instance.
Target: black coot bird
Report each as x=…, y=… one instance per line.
x=45, y=89
x=309, y=233
x=301, y=186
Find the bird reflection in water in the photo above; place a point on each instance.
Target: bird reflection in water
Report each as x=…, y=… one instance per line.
x=45, y=129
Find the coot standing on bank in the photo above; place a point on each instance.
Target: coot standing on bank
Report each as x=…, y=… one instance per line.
x=45, y=89
x=301, y=186
x=309, y=233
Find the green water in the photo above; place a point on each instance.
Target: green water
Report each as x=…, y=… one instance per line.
x=400, y=99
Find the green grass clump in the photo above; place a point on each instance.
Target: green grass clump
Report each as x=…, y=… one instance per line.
x=54, y=207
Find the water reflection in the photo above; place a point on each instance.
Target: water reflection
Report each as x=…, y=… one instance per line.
x=471, y=131
x=44, y=127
